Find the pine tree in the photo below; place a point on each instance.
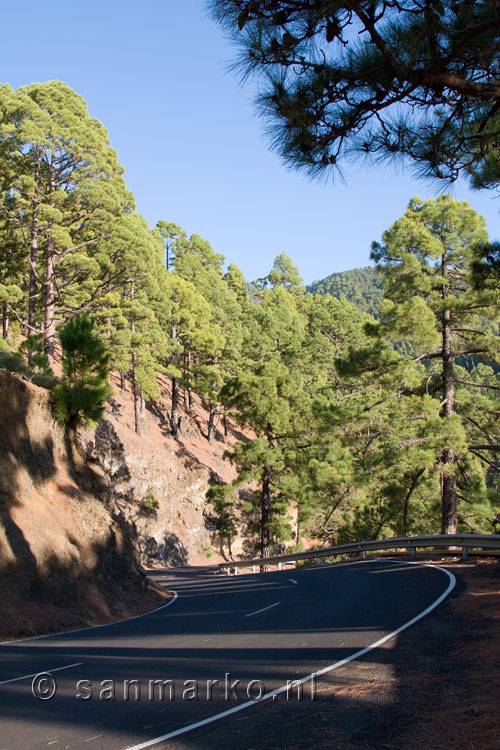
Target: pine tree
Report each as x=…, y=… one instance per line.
x=426, y=260
x=169, y=232
x=80, y=397
x=285, y=274
x=235, y=280
x=267, y=394
x=185, y=317
x=65, y=191
x=197, y=262
x=344, y=80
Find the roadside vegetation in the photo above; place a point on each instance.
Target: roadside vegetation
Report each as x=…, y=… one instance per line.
x=371, y=399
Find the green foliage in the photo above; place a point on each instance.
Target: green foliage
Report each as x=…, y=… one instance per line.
x=61, y=194
x=235, y=280
x=38, y=368
x=347, y=80
x=80, y=397
x=362, y=287
x=283, y=274
x=11, y=361
x=150, y=501
x=357, y=427
x=223, y=499
x=422, y=427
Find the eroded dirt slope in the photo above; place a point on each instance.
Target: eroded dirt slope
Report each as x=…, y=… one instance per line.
x=76, y=518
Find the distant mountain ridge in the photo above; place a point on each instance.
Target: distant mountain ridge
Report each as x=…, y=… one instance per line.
x=361, y=286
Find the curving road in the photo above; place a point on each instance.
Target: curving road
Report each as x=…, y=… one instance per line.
x=221, y=643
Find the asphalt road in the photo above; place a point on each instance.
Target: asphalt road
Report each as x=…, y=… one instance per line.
x=221, y=643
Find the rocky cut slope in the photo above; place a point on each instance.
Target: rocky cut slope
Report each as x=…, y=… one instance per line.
x=77, y=519
x=156, y=484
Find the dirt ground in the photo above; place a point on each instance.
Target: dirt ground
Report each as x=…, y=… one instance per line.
x=89, y=605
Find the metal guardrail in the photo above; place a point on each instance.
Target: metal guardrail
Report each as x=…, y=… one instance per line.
x=463, y=541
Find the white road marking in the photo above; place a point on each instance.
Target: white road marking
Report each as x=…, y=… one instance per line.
x=293, y=580
x=41, y=671
x=94, y=627
x=314, y=675
x=262, y=610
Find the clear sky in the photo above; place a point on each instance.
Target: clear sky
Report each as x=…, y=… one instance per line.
x=156, y=74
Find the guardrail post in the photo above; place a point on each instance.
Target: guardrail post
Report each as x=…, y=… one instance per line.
x=413, y=551
x=465, y=553
x=235, y=570
x=254, y=568
x=279, y=566
x=318, y=561
x=363, y=555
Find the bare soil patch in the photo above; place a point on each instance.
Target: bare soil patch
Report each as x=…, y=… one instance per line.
x=90, y=603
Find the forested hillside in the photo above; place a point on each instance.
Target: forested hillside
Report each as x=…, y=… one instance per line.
x=363, y=287
x=350, y=437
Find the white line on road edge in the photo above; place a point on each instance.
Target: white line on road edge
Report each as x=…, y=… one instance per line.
x=314, y=675
x=94, y=627
x=262, y=610
x=45, y=671
x=293, y=580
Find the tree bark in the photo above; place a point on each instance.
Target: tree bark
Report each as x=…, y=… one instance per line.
x=211, y=422
x=135, y=388
x=448, y=482
x=122, y=381
x=5, y=321
x=49, y=333
x=174, y=413
x=137, y=396
x=265, y=513
x=188, y=390
x=33, y=285
x=406, y=503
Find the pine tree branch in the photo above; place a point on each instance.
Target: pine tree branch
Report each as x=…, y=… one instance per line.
x=429, y=355
x=477, y=426
x=478, y=385
x=466, y=352
x=493, y=447
x=490, y=463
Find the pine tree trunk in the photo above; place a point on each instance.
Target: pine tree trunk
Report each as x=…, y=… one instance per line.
x=449, y=483
x=174, y=413
x=137, y=398
x=50, y=298
x=211, y=422
x=189, y=393
x=49, y=330
x=265, y=513
x=224, y=422
x=122, y=381
x=406, y=504
x=135, y=388
x=33, y=286
x=5, y=321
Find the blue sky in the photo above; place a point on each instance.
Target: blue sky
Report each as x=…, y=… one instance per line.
x=155, y=74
